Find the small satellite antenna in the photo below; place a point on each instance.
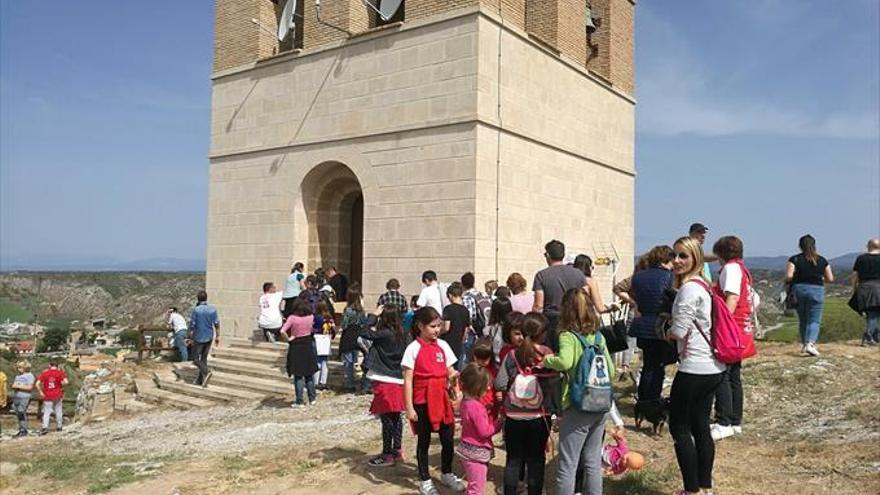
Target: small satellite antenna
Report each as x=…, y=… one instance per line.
x=387, y=8
x=287, y=24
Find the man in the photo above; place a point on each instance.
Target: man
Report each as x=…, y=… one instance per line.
x=179, y=327
x=51, y=384
x=551, y=284
x=204, y=326
x=866, y=286
x=338, y=282
x=270, y=320
x=393, y=296
x=433, y=293
x=698, y=233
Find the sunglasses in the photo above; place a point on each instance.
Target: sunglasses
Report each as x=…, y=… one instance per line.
x=682, y=256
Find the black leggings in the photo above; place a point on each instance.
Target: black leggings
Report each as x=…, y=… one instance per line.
x=729, y=397
x=423, y=430
x=689, y=405
x=525, y=442
x=392, y=431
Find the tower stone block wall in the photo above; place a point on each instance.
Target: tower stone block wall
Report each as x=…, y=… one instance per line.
x=463, y=164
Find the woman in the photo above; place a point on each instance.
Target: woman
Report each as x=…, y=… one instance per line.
x=648, y=290
x=580, y=433
x=807, y=273
x=302, y=360
x=735, y=287
x=585, y=264
x=521, y=300
x=294, y=284
x=699, y=373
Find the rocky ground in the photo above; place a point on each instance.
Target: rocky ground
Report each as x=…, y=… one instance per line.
x=812, y=425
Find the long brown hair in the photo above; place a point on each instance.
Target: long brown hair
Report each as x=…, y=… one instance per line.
x=533, y=327
x=807, y=244
x=577, y=313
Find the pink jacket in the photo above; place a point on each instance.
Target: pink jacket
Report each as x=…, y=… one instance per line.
x=476, y=428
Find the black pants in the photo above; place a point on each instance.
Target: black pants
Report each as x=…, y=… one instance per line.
x=689, y=406
x=288, y=306
x=200, y=352
x=423, y=429
x=729, y=397
x=392, y=432
x=525, y=442
x=655, y=357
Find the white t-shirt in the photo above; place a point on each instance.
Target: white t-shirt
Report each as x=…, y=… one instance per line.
x=434, y=296
x=177, y=321
x=270, y=310
x=412, y=351
x=730, y=278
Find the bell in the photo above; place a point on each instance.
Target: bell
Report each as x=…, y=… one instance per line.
x=591, y=25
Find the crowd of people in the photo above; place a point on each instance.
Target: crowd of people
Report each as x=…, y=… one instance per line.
x=535, y=364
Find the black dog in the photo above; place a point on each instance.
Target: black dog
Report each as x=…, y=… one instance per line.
x=655, y=412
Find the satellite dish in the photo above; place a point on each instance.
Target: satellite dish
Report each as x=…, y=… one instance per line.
x=286, y=23
x=387, y=8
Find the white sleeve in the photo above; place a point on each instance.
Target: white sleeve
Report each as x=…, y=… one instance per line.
x=450, y=356
x=409, y=355
x=423, y=301
x=615, y=415
x=730, y=279
x=684, y=310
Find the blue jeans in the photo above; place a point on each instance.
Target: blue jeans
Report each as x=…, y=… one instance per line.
x=308, y=382
x=872, y=326
x=349, y=359
x=180, y=344
x=466, y=347
x=810, y=300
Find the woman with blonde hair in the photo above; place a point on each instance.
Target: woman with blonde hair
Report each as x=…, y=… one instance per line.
x=699, y=373
x=580, y=433
x=521, y=299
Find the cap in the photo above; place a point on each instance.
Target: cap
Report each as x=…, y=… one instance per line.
x=698, y=228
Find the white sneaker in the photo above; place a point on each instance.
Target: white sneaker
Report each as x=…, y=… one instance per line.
x=810, y=349
x=722, y=432
x=737, y=429
x=453, y=481
x=427, y=488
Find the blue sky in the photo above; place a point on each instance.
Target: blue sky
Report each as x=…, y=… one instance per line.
x=756, y=118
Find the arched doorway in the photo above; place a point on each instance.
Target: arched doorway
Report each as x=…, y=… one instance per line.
x=334, y=205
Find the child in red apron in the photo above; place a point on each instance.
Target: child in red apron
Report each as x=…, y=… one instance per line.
x=427, y=369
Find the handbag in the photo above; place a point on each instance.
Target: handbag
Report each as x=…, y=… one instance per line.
x=791, y=300
x=615, y=334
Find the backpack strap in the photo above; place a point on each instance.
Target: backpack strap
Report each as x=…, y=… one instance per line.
x=703, y=284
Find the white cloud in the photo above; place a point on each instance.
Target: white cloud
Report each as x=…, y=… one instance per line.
x=677, y=96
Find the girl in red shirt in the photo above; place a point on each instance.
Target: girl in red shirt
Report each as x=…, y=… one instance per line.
x=427, y=373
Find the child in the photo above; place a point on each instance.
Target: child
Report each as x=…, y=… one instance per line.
x=617, y=459
x=353, y=321
x=475, y=449
x=22, y=387
x=302, y=360
x=387, y=378
x=484, y=358
x=51, y=386
x=324, y=329
x=511, y=335
x=408, y=316
x=499, y=312
x=269, y=320
x=457, y=322
x=527, y=424
x=427, y=370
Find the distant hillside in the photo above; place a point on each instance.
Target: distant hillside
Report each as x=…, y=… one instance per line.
x=128, y=298
x=844, y=262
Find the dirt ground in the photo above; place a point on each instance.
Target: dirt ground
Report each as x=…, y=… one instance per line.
x=812, y=426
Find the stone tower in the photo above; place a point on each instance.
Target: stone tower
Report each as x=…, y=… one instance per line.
x=460, y=137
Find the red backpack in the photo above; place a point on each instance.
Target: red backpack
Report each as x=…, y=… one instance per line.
x=728, y=341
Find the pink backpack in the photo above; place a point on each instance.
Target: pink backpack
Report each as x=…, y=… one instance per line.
x=728, y=342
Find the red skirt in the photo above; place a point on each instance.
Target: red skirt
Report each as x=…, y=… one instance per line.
x=387, y=398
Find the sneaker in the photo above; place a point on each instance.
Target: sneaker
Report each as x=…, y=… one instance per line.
x=453, y=481
x=427, y=488
x=297, y=405
x=810, y=349
x=20, y=434
x=737, y=429
x=722, y=432
x=313, y=402
x=207, y=377
x=43, y=431
x=58, y=429
x=384, y=460
x=398, y=456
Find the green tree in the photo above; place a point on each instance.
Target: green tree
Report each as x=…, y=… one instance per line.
x=54, y=339
x=129, y=338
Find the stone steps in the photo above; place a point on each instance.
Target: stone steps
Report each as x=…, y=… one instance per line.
x=147, y=391
x=276, y=388
x=214, y=392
